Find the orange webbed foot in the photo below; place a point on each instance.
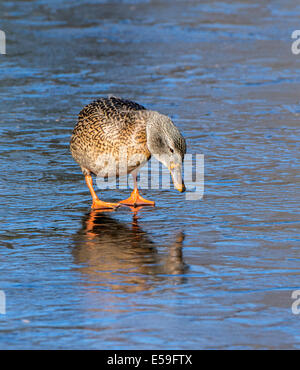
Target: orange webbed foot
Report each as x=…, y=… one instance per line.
x=99, y=204
x=136, y=200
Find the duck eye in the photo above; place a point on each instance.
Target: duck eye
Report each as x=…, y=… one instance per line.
x=171, y=150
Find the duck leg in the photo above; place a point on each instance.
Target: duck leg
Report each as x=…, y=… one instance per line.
x=97, y=203
x=135, y=198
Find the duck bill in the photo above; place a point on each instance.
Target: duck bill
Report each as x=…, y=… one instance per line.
x=176, y=173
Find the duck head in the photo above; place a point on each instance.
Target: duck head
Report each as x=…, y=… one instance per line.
x=167, y=145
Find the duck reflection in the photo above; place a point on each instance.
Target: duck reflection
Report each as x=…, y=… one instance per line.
x=122, y=256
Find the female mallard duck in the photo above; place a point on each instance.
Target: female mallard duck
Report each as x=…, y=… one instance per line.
x=115, y=136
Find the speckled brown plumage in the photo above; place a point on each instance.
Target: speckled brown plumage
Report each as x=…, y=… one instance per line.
x=104, y=127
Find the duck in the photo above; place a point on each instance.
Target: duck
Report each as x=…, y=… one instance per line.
x=115, y=137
